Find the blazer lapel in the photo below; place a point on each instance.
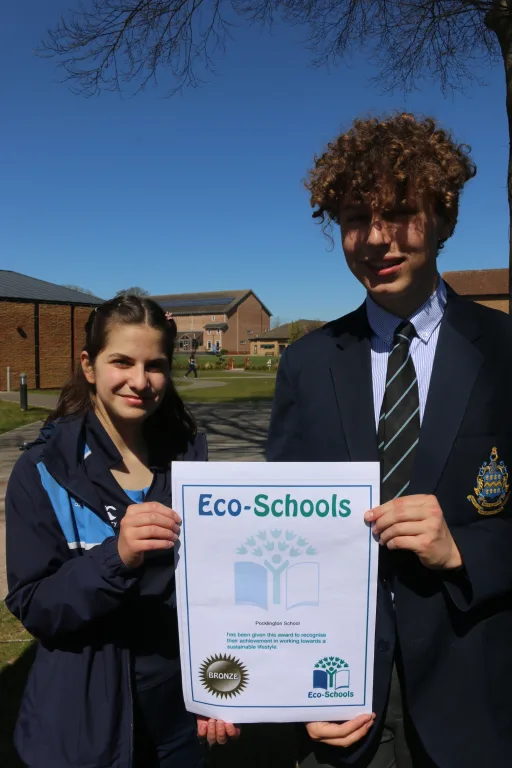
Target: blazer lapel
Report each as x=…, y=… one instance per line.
x=352, y=378
x=456, y=366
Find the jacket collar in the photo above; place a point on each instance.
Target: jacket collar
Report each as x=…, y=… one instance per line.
x=66, y=444
x=351, y=373
x=457, y=363
x=99, y=441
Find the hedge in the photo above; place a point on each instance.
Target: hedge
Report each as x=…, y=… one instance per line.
x=255, y=362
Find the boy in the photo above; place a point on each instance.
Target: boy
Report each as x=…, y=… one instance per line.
x=420, y=380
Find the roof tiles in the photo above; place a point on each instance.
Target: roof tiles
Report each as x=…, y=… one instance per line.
x=14, y=285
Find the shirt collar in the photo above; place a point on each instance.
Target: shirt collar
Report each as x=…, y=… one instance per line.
x=425, y=319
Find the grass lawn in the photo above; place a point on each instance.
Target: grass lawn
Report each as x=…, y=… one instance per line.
x=235, y=389
x=11, y=416
x=43, y=392
x=237, y=375
x=16, y=656
x=13, y=638
x=250, y=385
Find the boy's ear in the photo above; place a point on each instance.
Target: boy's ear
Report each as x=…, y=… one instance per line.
x=446, y=229
x=87, y=367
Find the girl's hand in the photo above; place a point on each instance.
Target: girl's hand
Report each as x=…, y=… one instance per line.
x=145, y=527
x=216, y=731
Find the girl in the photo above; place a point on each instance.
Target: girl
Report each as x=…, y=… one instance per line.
x=90, y=532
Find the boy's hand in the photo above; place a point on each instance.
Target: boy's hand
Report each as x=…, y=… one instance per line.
x=341, y=734
x=416, y=523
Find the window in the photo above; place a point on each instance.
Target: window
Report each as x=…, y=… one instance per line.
x=213, y=318
x=249, y=332
x=243, y=341
x=209, y=333
x=209, y=345
x=267, y=346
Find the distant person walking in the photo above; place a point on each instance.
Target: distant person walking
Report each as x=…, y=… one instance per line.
x=192, y=367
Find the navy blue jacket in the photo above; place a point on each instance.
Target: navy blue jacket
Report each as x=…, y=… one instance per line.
x=454, y=629
x=69, y=588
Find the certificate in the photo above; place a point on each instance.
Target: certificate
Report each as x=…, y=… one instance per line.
x=276, y=589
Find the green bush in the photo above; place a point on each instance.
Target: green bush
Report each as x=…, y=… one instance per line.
x=220, y=361
x=260, y=367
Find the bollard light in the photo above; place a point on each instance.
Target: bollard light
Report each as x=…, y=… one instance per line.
x=23, y=392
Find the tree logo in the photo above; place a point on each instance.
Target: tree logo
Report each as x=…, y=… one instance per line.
x=280, y=563
x=223, y=676
x=331, y=673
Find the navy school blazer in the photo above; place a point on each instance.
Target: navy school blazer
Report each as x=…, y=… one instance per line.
x=454, y=629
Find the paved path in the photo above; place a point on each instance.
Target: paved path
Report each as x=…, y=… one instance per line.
x=50, y=401
x=236, y=432
x=41, y=401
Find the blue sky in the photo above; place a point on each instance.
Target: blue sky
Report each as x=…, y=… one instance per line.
x=204, y=191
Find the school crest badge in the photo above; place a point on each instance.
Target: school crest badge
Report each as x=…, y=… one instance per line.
x=492, y=487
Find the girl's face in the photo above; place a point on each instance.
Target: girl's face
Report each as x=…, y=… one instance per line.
x=130, y=374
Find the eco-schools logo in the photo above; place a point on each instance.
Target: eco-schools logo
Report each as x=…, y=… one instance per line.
x=223, y=676
x=284, y=559
x=332, y=675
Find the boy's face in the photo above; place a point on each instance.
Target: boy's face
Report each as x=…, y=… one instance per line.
x=393, y=252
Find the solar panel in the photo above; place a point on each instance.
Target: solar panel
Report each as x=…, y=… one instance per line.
x=196, y=302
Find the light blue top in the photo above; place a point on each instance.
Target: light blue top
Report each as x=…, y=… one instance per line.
x=426, y=321
x=137, y=496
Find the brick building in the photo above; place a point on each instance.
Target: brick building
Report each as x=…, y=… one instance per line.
x=42, y=330
x=274, y=342
x=485, y=286
x=220, y=320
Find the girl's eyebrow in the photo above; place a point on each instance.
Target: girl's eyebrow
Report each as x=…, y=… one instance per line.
x=121, y=355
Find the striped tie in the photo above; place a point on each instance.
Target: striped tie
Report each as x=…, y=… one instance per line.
x=399, y=424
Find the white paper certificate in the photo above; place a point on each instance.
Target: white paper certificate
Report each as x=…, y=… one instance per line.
x=276, y=589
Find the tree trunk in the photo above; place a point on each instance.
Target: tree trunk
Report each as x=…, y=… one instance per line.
x=499, y=20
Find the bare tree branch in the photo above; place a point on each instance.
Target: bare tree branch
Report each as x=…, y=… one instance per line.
x=109, y=44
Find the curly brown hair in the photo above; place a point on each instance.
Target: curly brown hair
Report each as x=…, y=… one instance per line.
x=380, y=161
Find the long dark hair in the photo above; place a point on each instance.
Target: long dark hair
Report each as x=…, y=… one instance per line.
x=171, y=428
